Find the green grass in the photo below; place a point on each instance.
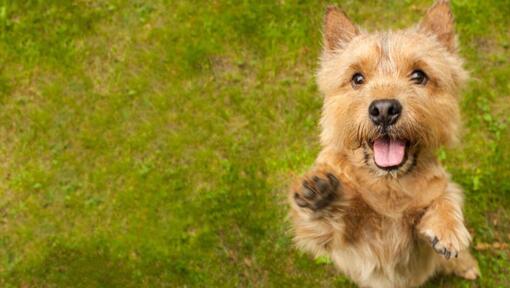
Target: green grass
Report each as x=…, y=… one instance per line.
x=149, y=143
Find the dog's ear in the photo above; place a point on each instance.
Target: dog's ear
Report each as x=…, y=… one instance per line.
x=338, y=28
x=439, y=21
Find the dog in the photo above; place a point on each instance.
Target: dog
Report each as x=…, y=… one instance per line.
x=377, y=200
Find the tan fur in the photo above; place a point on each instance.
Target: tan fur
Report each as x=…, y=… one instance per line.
x=379, y=227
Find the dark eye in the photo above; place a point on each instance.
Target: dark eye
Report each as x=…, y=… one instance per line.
x=357, y=79
x=419, y=77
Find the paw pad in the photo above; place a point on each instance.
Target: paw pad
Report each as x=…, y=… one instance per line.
x=317, y=192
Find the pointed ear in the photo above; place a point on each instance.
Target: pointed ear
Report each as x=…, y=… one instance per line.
x=338, y=29
x=439, y=21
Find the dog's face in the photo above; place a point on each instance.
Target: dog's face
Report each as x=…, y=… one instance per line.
x=390, y=95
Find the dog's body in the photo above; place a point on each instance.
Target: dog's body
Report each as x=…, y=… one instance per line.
x=377, y=200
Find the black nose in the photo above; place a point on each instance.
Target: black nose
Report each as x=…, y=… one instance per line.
x=384, y=112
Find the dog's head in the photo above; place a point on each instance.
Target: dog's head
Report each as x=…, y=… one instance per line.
x=391, y=95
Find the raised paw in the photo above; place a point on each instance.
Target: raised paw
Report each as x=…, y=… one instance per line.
x=317, y=192
x=448, y=243
x=443, y=249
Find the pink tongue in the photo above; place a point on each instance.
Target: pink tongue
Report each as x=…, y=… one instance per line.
x=389, y=152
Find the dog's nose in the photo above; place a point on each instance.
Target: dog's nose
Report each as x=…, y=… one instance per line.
x=384, y=112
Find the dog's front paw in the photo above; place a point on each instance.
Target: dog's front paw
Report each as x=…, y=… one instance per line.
x=317, y=191
x=447, y=241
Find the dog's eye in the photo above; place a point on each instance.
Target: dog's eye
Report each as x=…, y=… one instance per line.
x=357, y=79
x=419, y=77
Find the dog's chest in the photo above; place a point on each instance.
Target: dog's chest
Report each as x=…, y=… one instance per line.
x=390, y=239
x=386, y=248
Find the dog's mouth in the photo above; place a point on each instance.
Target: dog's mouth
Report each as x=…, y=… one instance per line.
x=389, y=153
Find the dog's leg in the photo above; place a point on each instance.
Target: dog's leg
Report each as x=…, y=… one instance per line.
x=443, y=226
x=316, y=201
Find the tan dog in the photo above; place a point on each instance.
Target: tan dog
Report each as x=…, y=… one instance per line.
x=377, y=201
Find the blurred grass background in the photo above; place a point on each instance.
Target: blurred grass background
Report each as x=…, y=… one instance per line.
x=149, y=143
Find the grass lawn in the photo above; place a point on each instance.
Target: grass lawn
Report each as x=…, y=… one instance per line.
x=150, y=143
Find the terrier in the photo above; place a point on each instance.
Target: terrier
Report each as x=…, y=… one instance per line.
x=377, y=201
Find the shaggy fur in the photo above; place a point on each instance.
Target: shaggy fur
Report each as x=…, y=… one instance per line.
x=386, y=227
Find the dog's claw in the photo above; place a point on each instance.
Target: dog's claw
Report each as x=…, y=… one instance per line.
x=434, y=242
x=441, y=249
x=447, y=253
